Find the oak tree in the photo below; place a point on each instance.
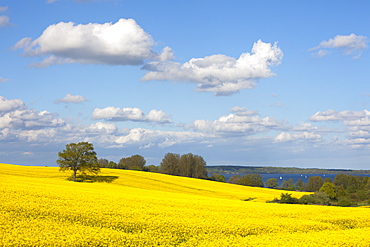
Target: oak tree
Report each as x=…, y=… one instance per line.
x=78, y=157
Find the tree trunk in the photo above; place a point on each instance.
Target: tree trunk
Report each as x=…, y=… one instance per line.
x=74, y=175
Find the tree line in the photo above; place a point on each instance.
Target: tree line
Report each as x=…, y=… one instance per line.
x=345, y=190
x=81, y=158
x=186, y=165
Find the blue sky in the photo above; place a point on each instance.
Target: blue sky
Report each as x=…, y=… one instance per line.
x=267, y=83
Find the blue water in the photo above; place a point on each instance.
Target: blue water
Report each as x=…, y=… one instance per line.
x=295, y=177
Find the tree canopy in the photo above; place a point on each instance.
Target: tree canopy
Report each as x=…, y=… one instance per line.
x=78, y=157
x=187, y=165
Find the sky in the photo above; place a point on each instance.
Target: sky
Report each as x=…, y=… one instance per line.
x=250, y=83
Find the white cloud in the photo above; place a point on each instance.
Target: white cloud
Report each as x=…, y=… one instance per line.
x=240, y=123
x=120, y=43
x=7, y=105
x=305, y=136
x=348, y=43
x=15, y=115
x=29, y=119
x=4, y=21
x=220, y=74
x=331, y=115
x=69, y=98
x=243, y=112
x=3, y=80
x=148, y=138
x=116, y=114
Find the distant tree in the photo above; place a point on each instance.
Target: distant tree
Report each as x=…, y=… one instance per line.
x=170, y=164
x=254, y=180
x=187, y=165
x=328, y=180
x=340, y=192
x=200, y=170
x=103, y=163
x=287, y=198
x=217, y=177
x=314, y=183
x=151, y=168
x=354, y=183
x=79, y=157
x=320, y=198
x=272, y=183
x=112, y=164
x=288, y=185
x=135, y=162
x=341, y=180
x=329, y=189
x=234, y=179
x=300, y=185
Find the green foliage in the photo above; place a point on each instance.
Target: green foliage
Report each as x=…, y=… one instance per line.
x=217, y=177
x=329, y=189
x=300, y=185
x=254, y=180
x=287, y=198
x=151, y=168
x=186, y=165
x=314, y=183
x=234, y=179
x=103, y=163
x=135, y=162
x=344, y=202
x=288, y=185
x=79, y=157
x=272, y=183
x=170, y=164
x=319, y=198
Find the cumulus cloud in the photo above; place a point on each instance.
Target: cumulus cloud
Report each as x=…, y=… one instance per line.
x=116, y=114
x=4, y=20
x=147, y=138
x=7, y=105
x=348, y=43
x=220, y=74
x=29, y=119
x=331, y=115
x=120, y=43
x=241, y=122
x=287, y=137
x=15, y=115
x=357, y=123
x=69, y=98
x=242, y=111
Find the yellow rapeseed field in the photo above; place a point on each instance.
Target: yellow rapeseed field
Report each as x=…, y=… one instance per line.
x=39, y=207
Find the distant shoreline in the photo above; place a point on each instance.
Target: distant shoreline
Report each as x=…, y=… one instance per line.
x=280, y=170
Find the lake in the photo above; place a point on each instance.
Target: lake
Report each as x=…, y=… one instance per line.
x=295, y=177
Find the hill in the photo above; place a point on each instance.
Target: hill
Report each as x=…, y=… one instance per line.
x=40, y=207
